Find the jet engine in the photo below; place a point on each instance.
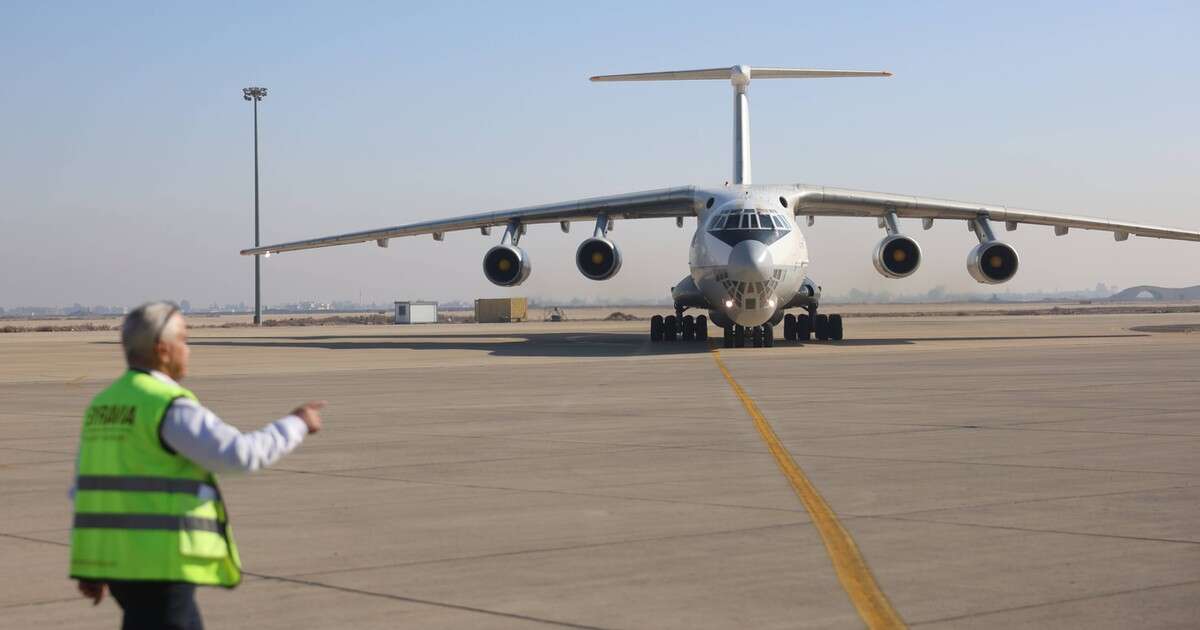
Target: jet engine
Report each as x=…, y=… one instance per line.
x=598, y=258
x=897, y=256
x=506, y=265
x=992, y=262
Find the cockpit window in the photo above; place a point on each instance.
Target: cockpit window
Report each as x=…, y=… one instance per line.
x=738, y=224
x=748, y=219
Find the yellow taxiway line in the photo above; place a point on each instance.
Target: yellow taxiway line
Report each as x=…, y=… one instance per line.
x=852, y=571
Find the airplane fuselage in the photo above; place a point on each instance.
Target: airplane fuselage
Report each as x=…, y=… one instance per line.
x=748, y=258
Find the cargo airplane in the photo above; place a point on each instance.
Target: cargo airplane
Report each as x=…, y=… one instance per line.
x=748, y=260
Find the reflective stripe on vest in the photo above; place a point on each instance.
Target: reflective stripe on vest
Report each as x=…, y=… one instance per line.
x=149, y=521
x=146, y=484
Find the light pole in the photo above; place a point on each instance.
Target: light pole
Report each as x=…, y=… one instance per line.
x=256, y=94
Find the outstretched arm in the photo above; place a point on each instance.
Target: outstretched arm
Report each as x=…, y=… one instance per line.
x=198, y=434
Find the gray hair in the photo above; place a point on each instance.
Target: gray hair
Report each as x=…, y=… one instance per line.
x=143, y=328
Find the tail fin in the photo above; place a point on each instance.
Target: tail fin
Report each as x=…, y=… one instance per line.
x=740, y=77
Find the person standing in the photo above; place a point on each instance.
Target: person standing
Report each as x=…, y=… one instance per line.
x=149, y=523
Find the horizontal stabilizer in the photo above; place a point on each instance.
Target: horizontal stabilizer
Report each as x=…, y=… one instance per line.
x=748, y=72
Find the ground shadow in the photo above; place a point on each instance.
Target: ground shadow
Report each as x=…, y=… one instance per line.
x=1169, y=328
x=877, y=342
x=521, y=344
x=562, y=344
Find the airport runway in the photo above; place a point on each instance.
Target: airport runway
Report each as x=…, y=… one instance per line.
x=994, y=472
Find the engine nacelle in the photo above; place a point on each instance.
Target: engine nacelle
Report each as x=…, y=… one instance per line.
x=992, y=262
x=506, y=265
x=598, y=258
x=897, y=256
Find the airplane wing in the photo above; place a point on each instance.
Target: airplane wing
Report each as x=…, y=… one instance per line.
x=667, y=202
x=815, y=201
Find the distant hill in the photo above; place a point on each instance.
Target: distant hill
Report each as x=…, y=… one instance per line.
x=1158, y=293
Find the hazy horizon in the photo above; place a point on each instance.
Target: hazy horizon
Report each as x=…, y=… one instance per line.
x=126, y=174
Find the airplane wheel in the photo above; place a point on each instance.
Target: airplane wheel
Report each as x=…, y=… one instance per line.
x=768, y=336
x=670, y=328
x=739, y=337
x=701, y=328
x=821, y=327
x=688, y=328
x=656, y=328
x=728, y=336
x=803, y=328
x=835, y=327
x=789, y=327
x=757, y=336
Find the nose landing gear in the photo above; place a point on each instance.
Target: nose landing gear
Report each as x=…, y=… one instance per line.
x=759, y=336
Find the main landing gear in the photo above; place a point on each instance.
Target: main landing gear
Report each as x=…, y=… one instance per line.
x=758, y=336
x=803, y=327
x=678, y=326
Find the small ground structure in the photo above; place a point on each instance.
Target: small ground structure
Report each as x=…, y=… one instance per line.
x=416, y=313
x=501, y=310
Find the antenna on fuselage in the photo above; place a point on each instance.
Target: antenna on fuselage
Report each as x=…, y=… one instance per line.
x=740, y=77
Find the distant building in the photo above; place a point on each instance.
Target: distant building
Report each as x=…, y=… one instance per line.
x=416, y=312
x=1158, y=293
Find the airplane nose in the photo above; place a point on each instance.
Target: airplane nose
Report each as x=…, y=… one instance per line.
x=750, y=261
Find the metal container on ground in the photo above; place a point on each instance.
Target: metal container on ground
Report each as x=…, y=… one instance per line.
x=492, y=310
x=416, y=313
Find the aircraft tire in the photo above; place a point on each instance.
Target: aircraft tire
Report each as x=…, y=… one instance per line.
x=789, y=327
x=821, y=327
x=757, y=336
x=656, y=328
x=728, y=330
x=688, y=329
x=739, y=337
x=835, y=327
x=670, y=328
x=701, y=328
x=768, y=336
x=803, y=328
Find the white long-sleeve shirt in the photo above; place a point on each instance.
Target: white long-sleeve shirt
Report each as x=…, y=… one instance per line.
x=199, y=435
x=196, y=433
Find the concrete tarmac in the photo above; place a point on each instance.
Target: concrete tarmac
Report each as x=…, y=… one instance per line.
x=995, y=472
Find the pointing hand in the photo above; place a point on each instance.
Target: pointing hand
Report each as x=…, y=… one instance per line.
x=310, y=413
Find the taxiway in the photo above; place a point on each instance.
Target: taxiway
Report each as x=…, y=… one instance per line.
x=993, y=471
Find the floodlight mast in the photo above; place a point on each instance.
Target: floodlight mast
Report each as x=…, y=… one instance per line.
x=256, y=94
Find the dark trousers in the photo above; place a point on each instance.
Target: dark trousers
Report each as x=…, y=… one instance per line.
x=157, y=605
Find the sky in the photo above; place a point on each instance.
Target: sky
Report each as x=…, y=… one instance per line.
x=126, y=160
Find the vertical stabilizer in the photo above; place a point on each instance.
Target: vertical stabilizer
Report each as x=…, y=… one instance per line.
x=740, y=77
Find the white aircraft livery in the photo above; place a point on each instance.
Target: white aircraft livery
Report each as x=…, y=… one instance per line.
x=748, y=259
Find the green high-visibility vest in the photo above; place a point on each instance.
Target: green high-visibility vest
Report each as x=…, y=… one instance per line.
x=143, y=512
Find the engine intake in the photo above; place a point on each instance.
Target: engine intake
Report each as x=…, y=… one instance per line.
x=506, y=265
x=598, y=258
x=897, y=256
x=992, y=262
